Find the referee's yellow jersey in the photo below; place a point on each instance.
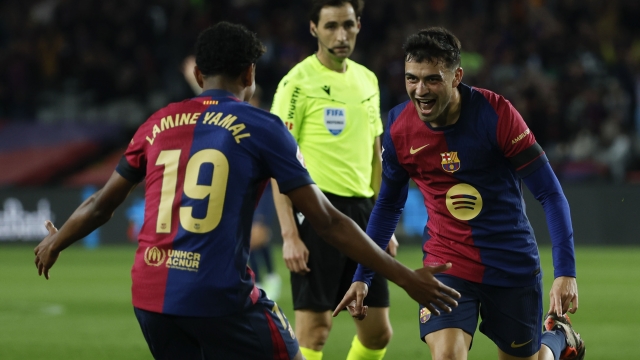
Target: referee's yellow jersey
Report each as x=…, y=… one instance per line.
x=335, y=118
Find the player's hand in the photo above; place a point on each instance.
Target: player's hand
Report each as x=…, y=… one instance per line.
x=563, y=296
x=295, y=255
x=45, y=256
x=353, y=301
x=392, y=248
x=430, y=292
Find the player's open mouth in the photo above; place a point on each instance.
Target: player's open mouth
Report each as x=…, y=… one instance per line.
x=426, y=105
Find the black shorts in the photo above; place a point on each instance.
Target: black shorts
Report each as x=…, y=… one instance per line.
x=332, y=272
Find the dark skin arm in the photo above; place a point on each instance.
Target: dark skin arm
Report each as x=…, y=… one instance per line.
x=342, y=233
x=91, y=214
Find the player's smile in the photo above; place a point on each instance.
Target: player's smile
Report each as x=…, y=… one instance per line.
x=425, y=105
x=431, y=88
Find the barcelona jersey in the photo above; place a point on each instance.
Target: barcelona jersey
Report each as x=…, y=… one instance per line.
x=205, y=162
x=469, y=174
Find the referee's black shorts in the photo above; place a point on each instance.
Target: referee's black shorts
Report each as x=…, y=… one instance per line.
x=331, y=273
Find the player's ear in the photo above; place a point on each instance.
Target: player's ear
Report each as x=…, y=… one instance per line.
x=457, y=73
x=313, y=29
x=199, y=76
x=248, y=75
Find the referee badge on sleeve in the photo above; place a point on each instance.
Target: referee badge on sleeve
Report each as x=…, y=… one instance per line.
x=335, y=119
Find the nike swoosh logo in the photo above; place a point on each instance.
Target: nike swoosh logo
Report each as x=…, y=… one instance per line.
x=413, y=151
x=515, y=346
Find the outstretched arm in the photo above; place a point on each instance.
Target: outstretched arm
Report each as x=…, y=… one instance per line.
x=545, y=187
x=376, y=185
x=341, y=232
x=383, y=222
x=91, y=214
x=294, y=251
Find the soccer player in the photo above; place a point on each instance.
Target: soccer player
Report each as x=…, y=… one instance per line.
x=205, y=162
x=331, y=105
x=469, y=150
x=260, y=230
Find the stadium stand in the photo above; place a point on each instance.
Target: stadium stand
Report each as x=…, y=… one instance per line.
x=572, y=68
x=39, y=154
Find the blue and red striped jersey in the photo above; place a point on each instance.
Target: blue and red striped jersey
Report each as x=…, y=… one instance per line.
x=469, y=174
x=206, y=162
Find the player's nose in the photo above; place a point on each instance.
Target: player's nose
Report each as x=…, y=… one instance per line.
x=422, y=89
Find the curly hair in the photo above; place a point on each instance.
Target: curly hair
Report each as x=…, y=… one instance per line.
x=227, y=49
x=317, y=5
x=434, y=45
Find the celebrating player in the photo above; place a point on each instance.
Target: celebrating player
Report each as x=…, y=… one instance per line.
x=205, y=161
x=469, y=150
x=331, y=105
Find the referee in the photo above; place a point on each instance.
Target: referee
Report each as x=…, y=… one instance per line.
x=331, y=106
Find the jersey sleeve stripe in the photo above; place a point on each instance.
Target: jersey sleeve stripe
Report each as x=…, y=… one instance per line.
x=529, y=160
x=526, y=156
x=129, y=172
x=293, y=184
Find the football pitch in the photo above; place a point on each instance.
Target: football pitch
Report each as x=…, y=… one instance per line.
x=84, y=311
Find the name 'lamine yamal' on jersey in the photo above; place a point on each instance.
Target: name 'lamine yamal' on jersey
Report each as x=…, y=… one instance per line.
x=204, y=174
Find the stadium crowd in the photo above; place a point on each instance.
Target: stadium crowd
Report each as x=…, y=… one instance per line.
x=571, y=67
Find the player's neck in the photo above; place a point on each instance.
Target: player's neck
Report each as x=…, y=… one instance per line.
x=451, y=114
x=332, y=62
x=222, y=83
x=454, y=108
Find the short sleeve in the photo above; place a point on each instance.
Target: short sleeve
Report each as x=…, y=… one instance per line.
x=133, y=164
x=513, y=134
x=289, y=105
x=515, y=139
x=283, y=158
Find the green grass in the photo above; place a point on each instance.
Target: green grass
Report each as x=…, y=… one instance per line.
x=84, y=311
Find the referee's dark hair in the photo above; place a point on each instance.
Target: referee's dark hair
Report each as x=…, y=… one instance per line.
x=317, y=5
x=227, y=49
x=434, y=45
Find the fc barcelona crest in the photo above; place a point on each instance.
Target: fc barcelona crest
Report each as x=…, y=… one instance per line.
x=450, y=162
x=425, y=315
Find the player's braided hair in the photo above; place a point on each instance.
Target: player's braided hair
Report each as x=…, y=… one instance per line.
x=434, y=45
x=317, y=5
x=227, y=49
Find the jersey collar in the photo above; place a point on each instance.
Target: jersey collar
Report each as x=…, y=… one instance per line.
x=465, y=96
x=319, y=66
x=218, y=93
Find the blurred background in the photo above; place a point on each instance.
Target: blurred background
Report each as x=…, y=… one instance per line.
x=77, y=77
